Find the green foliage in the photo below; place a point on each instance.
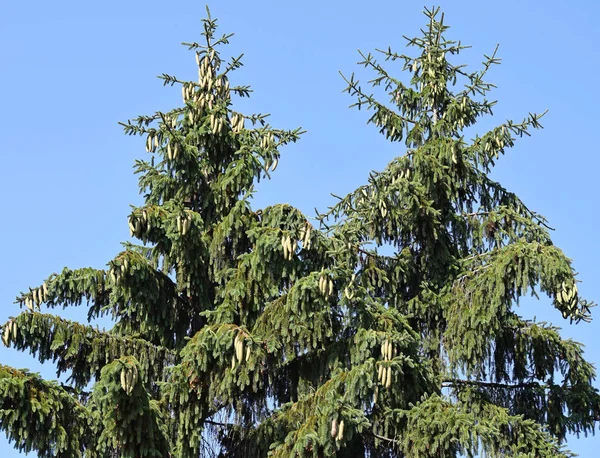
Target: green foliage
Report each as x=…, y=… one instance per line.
x=42, y=416
x=131, y=422
x=247, y=333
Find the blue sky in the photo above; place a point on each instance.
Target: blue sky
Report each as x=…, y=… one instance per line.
x=69, y=71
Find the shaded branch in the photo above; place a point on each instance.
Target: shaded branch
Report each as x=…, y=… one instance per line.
x=459, y=382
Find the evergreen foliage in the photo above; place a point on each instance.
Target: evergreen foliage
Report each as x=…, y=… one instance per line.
x=249, y=333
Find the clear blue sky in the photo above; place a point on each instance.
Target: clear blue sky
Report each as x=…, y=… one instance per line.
x=69, y=70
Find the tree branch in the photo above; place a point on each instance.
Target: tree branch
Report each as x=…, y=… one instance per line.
x=383, y=438
x=459, y=382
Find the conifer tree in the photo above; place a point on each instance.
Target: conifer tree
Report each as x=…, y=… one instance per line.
x=250, y=333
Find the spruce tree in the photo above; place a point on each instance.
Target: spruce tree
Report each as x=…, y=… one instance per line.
x=385, y=327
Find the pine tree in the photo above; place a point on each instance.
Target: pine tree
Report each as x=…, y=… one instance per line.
x=247, y=333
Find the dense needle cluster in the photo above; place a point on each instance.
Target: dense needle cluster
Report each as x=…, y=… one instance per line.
x=253, y=333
